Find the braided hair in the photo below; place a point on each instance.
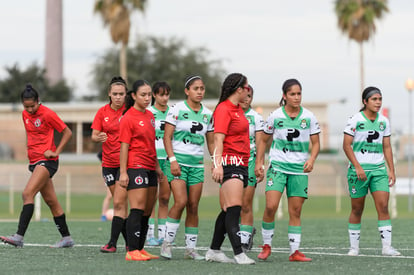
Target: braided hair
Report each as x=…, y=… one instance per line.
x=29, y=93
x=286, y=88
x=129, y=101
x=230, y=85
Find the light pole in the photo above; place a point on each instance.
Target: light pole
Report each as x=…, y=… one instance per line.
x=409, y=85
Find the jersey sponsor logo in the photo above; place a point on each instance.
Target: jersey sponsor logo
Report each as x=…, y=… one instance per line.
x=106, y=119
x=141, y=123
x=280, y=124
x=139, y=180
x=291, y=134
x=185, y=115
x=27, y=121
x=372, y=135
x=138, y=233
x=361, y=126
x=236, y=115
x=38, y=122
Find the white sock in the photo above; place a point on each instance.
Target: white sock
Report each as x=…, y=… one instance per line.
x=267, y=235
x=354, y=236
x=244, y=237
x=171, y=231
x=161, y=231
x=294, y=242
x=386, y=235
x=191, y=241
x=150, y=233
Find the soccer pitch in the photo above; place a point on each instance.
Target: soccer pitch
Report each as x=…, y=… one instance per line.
x=324, y=239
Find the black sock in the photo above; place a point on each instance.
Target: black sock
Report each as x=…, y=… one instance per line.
x=124, y=232
x=134, y=228
x=25, y=217
x=61, y=225
x=219, y=231
x=144, y=231
x=116, y=228
x=232, y=228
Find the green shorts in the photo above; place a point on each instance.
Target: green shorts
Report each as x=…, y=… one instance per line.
x=377, y=180
x=296, y=185
x=252, y=175
x=163, y=165
x=191, y=175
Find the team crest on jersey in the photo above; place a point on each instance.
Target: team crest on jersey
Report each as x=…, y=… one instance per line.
x=38, y=122
x=205, y=119
x=250, y=119
x=139, y=180
x=353, y=190
x=381, y=126
x=106, y=119
x=303, y=124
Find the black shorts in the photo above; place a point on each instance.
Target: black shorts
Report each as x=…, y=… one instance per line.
x=141, y=178
x=51, y=166
x=238, y=172
x=110, y=175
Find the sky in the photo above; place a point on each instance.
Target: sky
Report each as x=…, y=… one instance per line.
x=269, y=42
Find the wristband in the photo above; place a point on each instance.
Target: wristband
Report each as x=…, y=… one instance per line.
x=171, y=159
x=263, y=167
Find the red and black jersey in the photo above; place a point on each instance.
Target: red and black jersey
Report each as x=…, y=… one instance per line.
x=107, y=120
x=39, y=129
x=230, y=120
x=138, y=130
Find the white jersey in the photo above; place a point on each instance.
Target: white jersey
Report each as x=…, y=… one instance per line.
x=290, y=146
x=368, y=137
x=159, y=131
x=189, y=133
x=256, y=124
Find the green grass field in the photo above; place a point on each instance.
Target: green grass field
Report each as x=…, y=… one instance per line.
x=324, y=239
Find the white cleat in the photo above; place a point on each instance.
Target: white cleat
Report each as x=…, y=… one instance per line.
x=353, y=252
x=217, y=256
x=243, y=259
x=166, y=248
x=390, y=251
x=192, y=254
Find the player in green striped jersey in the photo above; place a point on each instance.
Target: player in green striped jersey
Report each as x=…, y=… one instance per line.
x=366, y=144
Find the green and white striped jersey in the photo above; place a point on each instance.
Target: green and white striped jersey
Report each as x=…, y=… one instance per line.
x=189, y=133
x=159, y=130
x=368, y=140
x=256, y=124
x=290, y=146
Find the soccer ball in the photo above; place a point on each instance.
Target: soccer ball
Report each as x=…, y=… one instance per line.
x=109, y=214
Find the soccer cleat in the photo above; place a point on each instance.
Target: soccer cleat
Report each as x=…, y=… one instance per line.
x=166, y=248
x=136, y=256
x=15, y=240
x=243, y=259
x=152, y=242
x=191, y=253
x=103, y=218
x=390, y=251
x=298, y=256
x=353, y=252
x=160, y=241
x=146, y=253
x=266, y=251
x=217, y=256
x=108, y=248
x=65, y=242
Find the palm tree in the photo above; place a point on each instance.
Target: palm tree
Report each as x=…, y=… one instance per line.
x=356, y=19
x=116, y=14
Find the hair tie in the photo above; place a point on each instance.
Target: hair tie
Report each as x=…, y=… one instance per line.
x=191, y=79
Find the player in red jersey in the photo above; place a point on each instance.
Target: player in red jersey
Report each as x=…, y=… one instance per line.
x=40, y=123
x=230, y=159
x=105, y=129
x=139, y=167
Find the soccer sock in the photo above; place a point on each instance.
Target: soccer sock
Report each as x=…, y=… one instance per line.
x=191, y=235
x=385, y=230
x=134, y=228
x=161, y=228
x=144, y=231
x=219, y=231
x=232, y=228
x=116, y=228
x=124, y=232
x=151, y=227
x=171, y=229
x=294, y=235
x=354, y=231
x=245, y=233
x=61, y=225
x=268, y=230
x=24, y=219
